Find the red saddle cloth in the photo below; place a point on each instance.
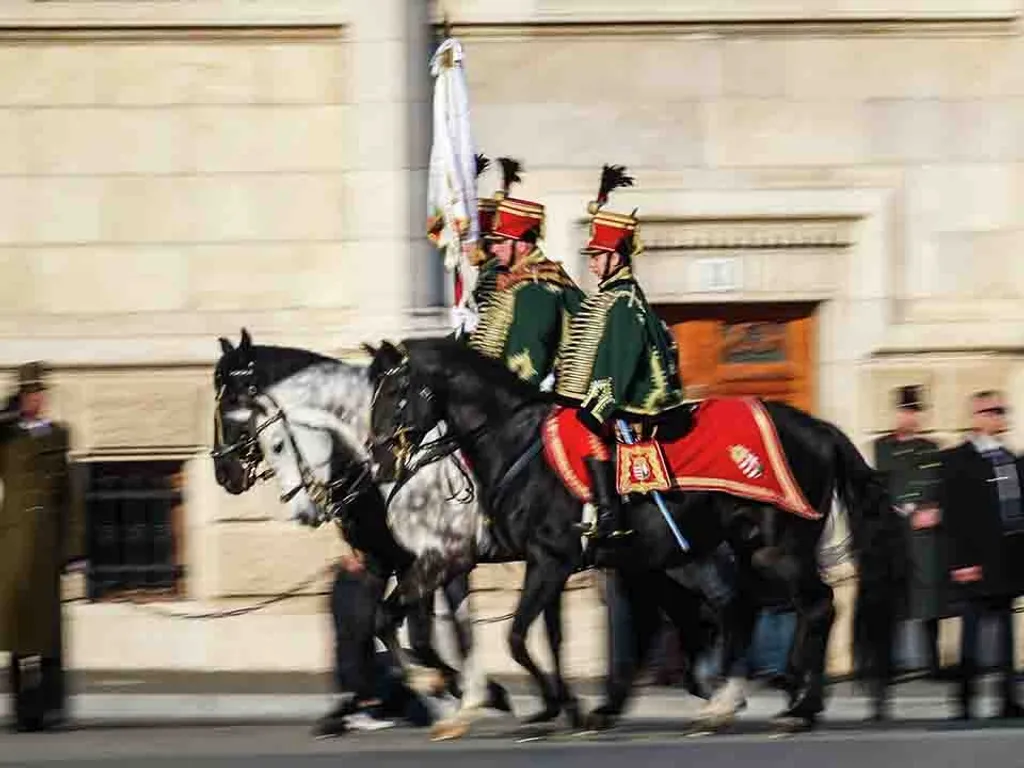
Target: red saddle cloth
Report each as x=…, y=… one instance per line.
x=732, y=448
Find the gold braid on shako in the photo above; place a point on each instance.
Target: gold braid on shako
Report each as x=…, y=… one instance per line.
x=609, y=230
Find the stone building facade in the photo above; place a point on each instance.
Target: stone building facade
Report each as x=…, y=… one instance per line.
x=171, y=171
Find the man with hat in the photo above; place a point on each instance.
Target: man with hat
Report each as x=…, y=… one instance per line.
x=524, y=314
x=910, y=465
x=41, y=532
x=617, y=359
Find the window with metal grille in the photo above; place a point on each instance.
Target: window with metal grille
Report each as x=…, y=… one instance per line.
x=134, y=526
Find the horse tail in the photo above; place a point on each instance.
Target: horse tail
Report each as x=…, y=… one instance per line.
x=879, y=546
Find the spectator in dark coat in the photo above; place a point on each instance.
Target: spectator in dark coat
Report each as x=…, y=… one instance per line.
x=981, y=502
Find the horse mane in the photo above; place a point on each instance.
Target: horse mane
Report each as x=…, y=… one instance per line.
x=447, y=355
x=271, y=364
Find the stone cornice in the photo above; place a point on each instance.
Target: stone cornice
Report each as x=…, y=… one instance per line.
x=165, y=33
x=29, y=14
x=703, y=234
x=566, y=17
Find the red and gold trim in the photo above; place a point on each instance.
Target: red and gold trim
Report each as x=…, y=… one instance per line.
x=641, y=468
x=557, y=456
x=608, y=230
x=514, y=218
x=792, y=500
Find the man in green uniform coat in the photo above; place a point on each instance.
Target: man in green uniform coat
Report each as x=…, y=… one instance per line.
x=524, y=316
x=41, y=532
x=911, y=465
x=617, y=360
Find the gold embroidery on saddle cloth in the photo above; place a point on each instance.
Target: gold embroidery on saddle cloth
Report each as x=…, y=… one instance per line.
x=641, y=468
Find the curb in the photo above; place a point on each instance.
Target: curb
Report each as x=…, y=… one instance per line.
x=159, y=709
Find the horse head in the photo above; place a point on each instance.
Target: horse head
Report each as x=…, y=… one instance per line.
x=318, y=467
x=402, y=412
x=275, y=406
x=235, y=453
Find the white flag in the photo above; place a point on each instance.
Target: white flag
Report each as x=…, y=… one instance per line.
x=452, y=201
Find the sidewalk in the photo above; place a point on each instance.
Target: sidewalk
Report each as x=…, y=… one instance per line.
x=158, y=698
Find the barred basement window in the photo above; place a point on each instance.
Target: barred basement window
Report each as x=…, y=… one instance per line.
x=134, y=529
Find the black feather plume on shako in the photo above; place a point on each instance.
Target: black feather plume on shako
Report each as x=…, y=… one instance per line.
x=509, y=173
x=612, y=177
x=482, y=164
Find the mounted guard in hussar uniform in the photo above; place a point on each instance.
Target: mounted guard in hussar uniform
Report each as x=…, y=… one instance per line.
x=618, y=359
x=524, y=315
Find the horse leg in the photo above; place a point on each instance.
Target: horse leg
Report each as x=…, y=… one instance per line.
x=738, y=621
x=478, y=686
x=478, y=693
x=815, y=616
x=553, y=626
x=544, y=584
x=420, y=621
x=633, y=622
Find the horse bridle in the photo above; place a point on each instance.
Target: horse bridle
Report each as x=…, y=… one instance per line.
x=247, y=447
x=435, y=450
x=353, y=481
x=399, y=444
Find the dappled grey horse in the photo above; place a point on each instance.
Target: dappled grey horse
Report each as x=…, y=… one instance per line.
x=306, y=416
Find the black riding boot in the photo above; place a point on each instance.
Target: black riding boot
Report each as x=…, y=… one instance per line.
x=606, y=499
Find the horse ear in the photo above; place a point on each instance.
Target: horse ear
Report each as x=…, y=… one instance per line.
x=246, y=340
x=225, y=346
x=368, y=349
x=390, y=352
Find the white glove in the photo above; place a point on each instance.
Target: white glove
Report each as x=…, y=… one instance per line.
x=464, y=319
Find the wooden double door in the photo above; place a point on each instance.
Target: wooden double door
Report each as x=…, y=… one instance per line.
x=765, y=350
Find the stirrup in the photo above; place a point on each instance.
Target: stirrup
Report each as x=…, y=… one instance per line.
x=618, y=533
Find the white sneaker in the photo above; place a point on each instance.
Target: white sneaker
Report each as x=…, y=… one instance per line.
x=361, y=721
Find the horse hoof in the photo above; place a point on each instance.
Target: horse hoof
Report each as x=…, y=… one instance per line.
x=497, y=697
x=713, y=723
x=787, y=723
x=599, y=721
x=573, y=714
x=549, y=713
x=449, y=730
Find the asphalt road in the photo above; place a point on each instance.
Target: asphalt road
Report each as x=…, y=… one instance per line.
x=934, y=744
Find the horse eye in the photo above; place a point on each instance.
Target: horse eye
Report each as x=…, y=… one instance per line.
x=278, y=446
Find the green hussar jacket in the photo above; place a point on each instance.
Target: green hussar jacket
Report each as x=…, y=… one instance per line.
x=617, y=357
x=523, y=318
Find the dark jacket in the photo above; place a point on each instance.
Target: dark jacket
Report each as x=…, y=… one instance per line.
x=970, y=506
x=41, y=531
x=911, y=471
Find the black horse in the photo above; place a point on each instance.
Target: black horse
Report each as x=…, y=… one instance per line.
x=495, y=420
